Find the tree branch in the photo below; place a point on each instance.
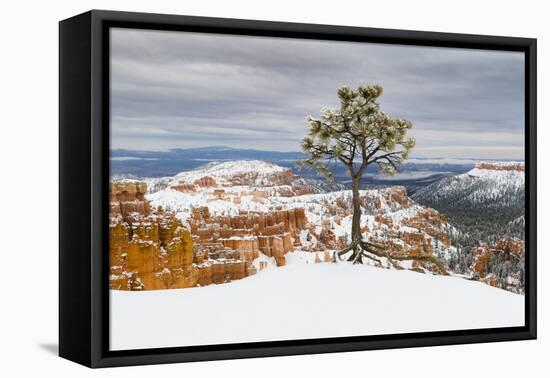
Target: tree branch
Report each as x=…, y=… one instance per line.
x=385, y=156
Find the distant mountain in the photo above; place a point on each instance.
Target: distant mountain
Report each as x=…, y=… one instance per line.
x=171, y=162
x=240, y=172
x=415, y=173
x=255, y=173
x=488, y=185
x=484, y=203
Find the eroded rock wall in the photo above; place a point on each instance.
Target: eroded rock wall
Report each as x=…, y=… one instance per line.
x=150, y=249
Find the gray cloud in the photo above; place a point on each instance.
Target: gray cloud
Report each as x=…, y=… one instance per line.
x=178, y=90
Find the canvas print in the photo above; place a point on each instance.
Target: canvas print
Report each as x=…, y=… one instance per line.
x=266, y=189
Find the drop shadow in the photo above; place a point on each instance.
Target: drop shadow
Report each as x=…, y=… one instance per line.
x=51, y=348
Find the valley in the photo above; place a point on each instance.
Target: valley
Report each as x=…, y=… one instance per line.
x=230, y=220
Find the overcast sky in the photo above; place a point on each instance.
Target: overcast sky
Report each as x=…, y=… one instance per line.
x=183, y=90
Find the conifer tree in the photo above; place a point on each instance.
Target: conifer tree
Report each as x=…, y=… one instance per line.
x=358, y=134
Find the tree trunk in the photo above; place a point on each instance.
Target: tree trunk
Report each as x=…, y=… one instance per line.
x=356, y=220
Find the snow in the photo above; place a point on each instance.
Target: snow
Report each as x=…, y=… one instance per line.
x=226, y=170
x=303, y=301
x=496, y=175
x=182, y=203
x=477, y=186
x=316, y=209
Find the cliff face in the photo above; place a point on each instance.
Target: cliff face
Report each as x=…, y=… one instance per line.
x=396, y=195
x=150, y=249
x=508, y=251
x=127, y=191
x=237, y=173
x=282, y=183
x=128, y=197
x=519, y=167
x=430, y=222
x=487, y=186
x=511, y=246
x=273, y=233
x=283, y=177
x=505, y=247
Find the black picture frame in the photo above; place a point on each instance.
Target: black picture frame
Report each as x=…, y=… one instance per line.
x=84, y=172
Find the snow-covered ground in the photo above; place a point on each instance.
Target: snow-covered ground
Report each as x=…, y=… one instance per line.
x=224, y=172
x=302, y=301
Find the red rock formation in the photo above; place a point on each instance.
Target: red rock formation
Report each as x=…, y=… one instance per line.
x=205, y=182
x=127, y=198
x=218, y=272
x=293, y=190
x=510, y=247
x=119, y=238
x=158, y=254
x=420, y=245
x=236, y=269
x=205, y=274
x=481, y=257
x=490, y=279
x=275, y=245
x=396, y=194
x=392, y=196
x=250, y=269
x=200, y=213
x=328, y=239
x=519, y=167
x=415, y=244
x=127, y=191
x=151, y=250
x=247, y=247
x=183, y=187
x=408, y=244
x=382, y=219
x=188, y=187
x=431, y=222
x=280, y=260
x=285, y=177
x=219, y=193
x=249, y=232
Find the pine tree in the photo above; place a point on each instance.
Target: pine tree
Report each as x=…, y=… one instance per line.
x=358, y=134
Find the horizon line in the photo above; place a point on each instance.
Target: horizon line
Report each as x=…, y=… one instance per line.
x=219, y=147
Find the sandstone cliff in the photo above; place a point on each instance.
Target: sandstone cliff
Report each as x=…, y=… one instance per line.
x=273, y=233
x=150, y=249
x=490, y=260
